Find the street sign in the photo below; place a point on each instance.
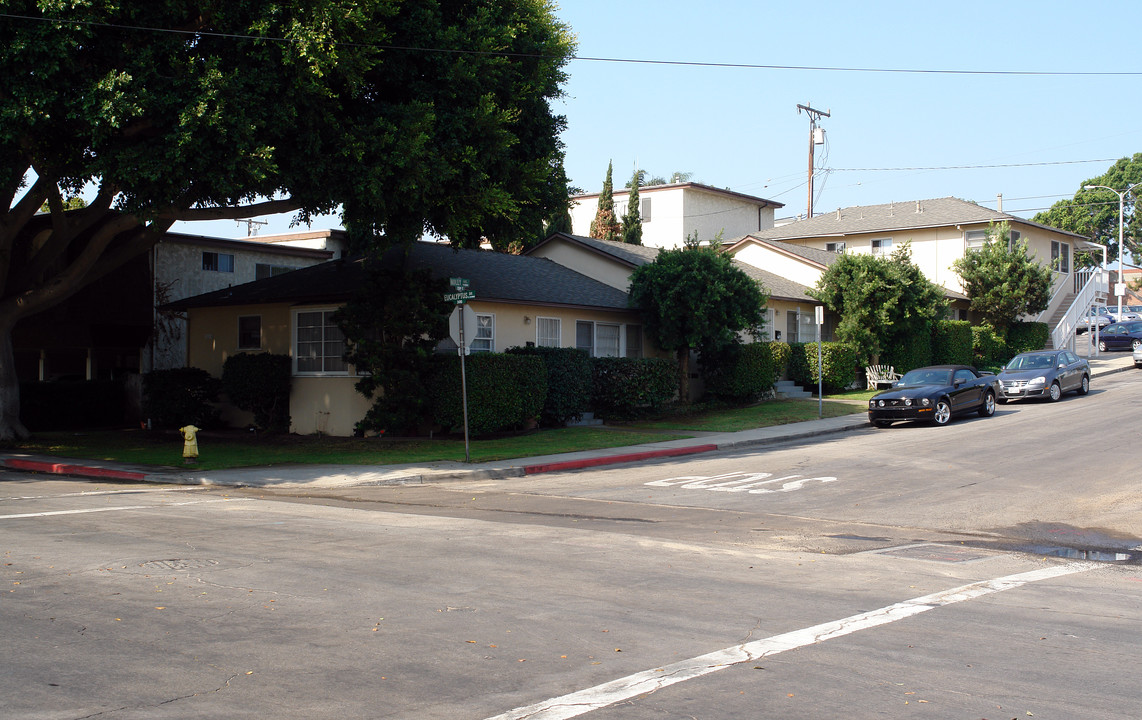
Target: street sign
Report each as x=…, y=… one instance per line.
x=459, y=283
x=460, y=297
x=469, y=325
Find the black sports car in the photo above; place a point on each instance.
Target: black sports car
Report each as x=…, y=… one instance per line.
x=935, y=394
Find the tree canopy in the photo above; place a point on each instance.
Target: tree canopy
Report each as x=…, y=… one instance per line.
x=1094, y=213
x=426, y=117
x=882, y=301
x=1002, y=280
x=693, y=298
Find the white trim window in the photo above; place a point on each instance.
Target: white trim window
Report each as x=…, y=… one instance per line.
x=604, y=339
x=318, y=344
x=485, y=337
x=548, y=332
x=634, y=341
x=974, y=239
x=217, y=262
x=607, y=340
x=882, y=246
x=837, y=247
x=585, y=336
x=249, y=332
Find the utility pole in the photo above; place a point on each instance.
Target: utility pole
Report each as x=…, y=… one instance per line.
x=251, y=229
x=814, y=116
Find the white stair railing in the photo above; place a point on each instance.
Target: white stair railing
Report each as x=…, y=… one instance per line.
x=1095, y=288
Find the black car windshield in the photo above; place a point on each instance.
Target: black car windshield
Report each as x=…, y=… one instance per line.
x=927, y=376
x=1031, y=362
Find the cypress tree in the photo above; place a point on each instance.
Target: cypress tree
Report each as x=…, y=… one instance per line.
x=632, y=219
x=606, y=226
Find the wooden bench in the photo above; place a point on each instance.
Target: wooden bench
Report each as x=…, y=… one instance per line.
x=880, y=376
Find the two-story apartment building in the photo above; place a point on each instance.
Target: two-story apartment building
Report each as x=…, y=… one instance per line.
x=671, y=213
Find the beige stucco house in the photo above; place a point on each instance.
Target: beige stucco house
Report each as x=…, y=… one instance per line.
x=671, y=213
x=940, y=231
x=519, y=301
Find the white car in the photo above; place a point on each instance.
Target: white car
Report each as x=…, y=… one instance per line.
x=1138, y=356
x=1098, y=319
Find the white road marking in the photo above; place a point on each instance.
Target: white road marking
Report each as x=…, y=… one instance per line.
x=739, y=482
x=648, y=681
x=89, y=493
x=110, y=509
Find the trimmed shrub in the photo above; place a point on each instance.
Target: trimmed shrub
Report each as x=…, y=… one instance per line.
x=781, y=352
x=628, y=387
x=568, y=383
x=838, y=363
x=182, y=396
x=259, y=383
x=912, y=352
x=742, y=373
x=1027, y=336
x=952, y=343
x=989, y=350
x=504, y=391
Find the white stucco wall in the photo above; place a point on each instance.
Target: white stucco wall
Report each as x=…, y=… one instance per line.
x=768, y=259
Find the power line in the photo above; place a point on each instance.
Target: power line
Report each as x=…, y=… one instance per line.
x=587, y=58
x=972, y=167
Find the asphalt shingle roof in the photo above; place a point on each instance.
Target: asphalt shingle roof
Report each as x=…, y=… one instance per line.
x=493, y=276
x=911, y=215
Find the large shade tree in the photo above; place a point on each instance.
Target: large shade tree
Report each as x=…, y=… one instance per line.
x=412, y=117
x=694, y=298
x=1094, y=212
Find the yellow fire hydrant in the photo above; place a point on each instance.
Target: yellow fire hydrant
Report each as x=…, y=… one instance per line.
x=189, y=445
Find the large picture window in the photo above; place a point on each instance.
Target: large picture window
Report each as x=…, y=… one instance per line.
x=319, y=345
x=1060, y=256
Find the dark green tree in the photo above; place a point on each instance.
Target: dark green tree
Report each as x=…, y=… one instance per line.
x=392, y=327
x=632, y=218
x=1094, y=213
x=1002, y=280
x=882, y=302
x=413, y=117
x=693, y=298
x=606, y=226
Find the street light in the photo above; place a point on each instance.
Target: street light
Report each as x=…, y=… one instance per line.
x=1121, y=198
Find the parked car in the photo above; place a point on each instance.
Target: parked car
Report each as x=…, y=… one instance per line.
x=1120, y=336
x=1138, y=356
x=1100, y=318
x=1044, y=373
x=935, y=394
x=1128, y=314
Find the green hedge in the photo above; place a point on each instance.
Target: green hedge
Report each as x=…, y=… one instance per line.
x=260, y=383
x=505, y=392
x=989, y=350
x=628, y=387
x=741, y=373
x=568, y=383
x=781, y=352
x=72, y=405
x=183, y=396
x=911, y=352
x=1026, y=337
x=838, y=362
x=952, y=343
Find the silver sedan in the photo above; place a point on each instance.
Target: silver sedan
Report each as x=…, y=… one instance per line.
x=1044, y=374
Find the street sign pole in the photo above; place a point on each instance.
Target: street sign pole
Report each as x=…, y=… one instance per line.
x=820, y=317
x=464, y=387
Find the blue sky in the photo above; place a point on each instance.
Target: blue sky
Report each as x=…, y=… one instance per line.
x=739, y=128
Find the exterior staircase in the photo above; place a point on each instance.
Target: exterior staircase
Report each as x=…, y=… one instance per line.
x=1057, y=317
x=786, y=389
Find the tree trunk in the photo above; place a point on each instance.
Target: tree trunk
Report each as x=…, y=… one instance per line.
x=10, y=426
x=684, y=375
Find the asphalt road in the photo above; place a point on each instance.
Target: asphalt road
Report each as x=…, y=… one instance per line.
x=908, y=572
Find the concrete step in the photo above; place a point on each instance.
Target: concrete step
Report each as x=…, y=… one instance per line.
x=787, y=389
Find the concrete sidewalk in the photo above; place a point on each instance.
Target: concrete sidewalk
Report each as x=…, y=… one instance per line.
x=333, y=476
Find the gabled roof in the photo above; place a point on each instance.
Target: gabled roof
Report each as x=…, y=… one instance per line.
x=752, y=199
x=634, y=256
x=493, y=276
x=821, y=258
x=913, y=215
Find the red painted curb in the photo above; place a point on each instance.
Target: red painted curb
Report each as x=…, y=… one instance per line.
x=613, y=459
x=65, y=469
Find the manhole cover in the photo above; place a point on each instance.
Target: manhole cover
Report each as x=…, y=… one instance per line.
x=178, y=564
x=938, y=553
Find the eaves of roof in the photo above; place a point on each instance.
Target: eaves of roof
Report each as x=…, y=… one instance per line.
x=752, y=199
x=244, y=245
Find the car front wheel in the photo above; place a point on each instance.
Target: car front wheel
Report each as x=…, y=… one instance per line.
x=943, y=412
x=1084, y=386
x=1102, y=346
x=1137, y=344
x=987, y=409
x=1056, y=392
